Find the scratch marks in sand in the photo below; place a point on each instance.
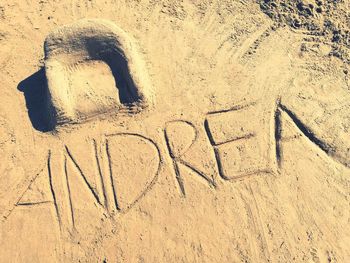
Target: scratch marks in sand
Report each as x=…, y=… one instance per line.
x=241, y=140
x=286, y=119
x=232, y=144
x=240, y=144
x=127, y=167
x=134, y=166
x=245, y=140
x=182, y=140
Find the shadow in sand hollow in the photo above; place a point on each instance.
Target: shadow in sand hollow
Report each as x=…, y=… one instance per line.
x=36, y=96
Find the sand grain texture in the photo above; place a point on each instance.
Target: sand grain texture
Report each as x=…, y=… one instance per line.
x=174, y=131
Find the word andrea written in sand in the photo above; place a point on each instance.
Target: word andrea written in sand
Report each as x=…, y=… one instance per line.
x=115, y=172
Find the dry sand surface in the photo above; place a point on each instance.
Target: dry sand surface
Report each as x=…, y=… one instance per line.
x=175, y=131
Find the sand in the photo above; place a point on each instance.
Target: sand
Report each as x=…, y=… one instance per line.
x=174, y=131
